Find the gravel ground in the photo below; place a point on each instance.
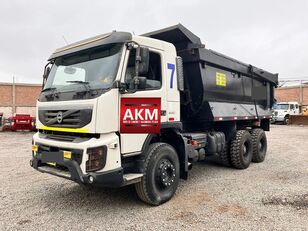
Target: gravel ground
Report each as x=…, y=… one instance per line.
x=268, y=196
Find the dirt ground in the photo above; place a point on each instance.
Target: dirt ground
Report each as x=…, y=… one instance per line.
x=269, y=196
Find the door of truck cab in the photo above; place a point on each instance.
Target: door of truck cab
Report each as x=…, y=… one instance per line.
x=294, y=109
x=132, y=140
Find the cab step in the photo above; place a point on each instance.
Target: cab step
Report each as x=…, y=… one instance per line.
x=132, y=178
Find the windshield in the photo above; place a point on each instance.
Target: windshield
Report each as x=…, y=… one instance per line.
x=281, y=107
x=96, y=67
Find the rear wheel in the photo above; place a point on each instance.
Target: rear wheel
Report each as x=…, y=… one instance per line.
x=259, y=143
x=241, y=150
x=224, y=156
x=161, y=174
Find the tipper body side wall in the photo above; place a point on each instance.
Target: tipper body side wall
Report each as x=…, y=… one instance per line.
x=217, y=86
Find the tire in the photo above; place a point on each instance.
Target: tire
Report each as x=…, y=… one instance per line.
x=161, y=174
x=259, y=143
x=241, y=150
x=224, y=156
x=286, y=120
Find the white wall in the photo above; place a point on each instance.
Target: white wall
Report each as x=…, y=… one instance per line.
x=25, y=110
x=7, y=111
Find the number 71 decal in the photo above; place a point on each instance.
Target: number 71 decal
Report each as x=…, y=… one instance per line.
x=172, y=68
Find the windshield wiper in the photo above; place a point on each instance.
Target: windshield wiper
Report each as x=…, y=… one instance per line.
x=77, y=81
x=52, y=94
x=86, y=85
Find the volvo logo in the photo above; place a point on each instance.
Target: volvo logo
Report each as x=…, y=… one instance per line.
x=59, y=117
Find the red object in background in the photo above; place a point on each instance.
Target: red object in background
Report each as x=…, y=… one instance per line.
x=22, y=122
x=1, y=119
x=140, y=115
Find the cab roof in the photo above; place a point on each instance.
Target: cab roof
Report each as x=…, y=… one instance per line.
x=109, y=38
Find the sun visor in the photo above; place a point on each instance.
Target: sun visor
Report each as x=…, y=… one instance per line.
x=113, y=37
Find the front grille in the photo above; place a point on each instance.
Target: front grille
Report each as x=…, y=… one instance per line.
x=65, y=134
x=276, y=113
x=65, y=118
x=76, y=153
x=61, y=138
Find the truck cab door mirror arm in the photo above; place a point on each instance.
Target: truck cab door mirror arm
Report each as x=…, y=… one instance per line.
x=47, y=70
x=141, y=67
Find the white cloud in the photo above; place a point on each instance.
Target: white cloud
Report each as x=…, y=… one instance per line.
x=269, y=34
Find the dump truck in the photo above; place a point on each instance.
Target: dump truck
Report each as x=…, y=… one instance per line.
x=120, y=109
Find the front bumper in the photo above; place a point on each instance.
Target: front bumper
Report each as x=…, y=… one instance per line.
x=113, y=178
x=278, y=118
x=52, y=151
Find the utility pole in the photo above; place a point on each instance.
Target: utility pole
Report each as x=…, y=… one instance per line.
x=13, y=97
x=301, y=93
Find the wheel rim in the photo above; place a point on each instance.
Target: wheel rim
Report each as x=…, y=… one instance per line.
x=245, y=149
x=166, y=174
x=261, y=145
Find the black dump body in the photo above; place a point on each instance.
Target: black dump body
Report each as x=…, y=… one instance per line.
x=217, y=87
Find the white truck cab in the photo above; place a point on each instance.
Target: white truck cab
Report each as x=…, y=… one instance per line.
x=95, y=111
x=283, y=110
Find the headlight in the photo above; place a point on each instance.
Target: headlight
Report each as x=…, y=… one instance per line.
x=97, y=158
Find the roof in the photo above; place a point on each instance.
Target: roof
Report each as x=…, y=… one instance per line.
x=284, y=87
x=290, y=102
x=21, y=84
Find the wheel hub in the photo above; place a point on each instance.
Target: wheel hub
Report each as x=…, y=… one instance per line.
x=245, y=149
x=166, y=173
x=260, y=146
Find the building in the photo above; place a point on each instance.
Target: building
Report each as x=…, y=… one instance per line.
x=21, y=98
x=297, y=93
x=18, y=98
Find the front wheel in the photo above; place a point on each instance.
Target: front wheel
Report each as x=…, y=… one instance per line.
x=161, y=174
x=286, y=120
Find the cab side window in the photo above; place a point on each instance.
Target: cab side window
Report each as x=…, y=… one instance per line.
x=154, y=75
x=291, y=106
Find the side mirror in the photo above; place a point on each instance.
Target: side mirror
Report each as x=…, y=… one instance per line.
x=45, y=75
x=143, y=60
x=47, y=71
x=138, y=83
x=142, y=82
